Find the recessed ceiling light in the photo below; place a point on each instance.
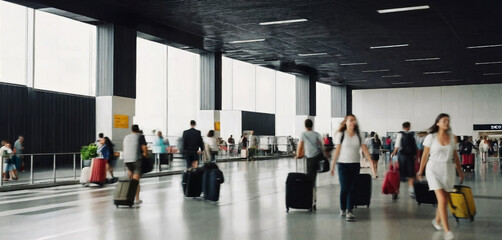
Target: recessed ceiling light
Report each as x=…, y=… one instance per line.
x=356, y=81
x=284, y=22
x=421, y=59
x=390, y=46
x=311, y=54
x=485, y=46
x=451, y=80
x=401, y=83
x=491, y=74
x=379, y=70
x=487, y=63
x=391, y=76
x=248, y=41
x=440, y=72
x=352, y=64
x=403, y=9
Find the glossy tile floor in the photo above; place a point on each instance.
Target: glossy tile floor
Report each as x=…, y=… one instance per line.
x=251, y=207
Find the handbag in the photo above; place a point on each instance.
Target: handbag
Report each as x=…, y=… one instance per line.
x=146, y=165
x=323, y=165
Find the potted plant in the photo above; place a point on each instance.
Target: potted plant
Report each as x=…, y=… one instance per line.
x=87, y=153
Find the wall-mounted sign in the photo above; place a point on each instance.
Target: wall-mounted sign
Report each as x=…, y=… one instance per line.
x=216, y=126
x=487, y=127
x=120, y=121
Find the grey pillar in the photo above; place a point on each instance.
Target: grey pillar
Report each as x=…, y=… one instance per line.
x=211, y=81
x=339, y=101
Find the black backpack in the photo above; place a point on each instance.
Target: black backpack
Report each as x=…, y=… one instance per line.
x=408, y=144
x=466, y=148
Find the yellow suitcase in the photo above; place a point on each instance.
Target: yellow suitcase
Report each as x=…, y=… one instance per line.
x=462, y=203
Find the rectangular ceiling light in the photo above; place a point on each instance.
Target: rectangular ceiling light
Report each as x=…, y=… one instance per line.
x=352, y=64
x=284, y=22
x=248, y=41
x=391, y=76
x=403, y=9
x=421, y=59
x=491, y=74
x=356, y=81
x=401, y=83
x=311, y=54
x=379, y=70
x=452, y=80
x=485, y=46
x=487, y=63
x=391, y=46
x=440, y=72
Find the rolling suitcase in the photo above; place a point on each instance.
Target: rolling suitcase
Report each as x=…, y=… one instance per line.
x=423, y=194
x=192, y=182
x=84, y=175
x=299, y=192
x=467, y=162
x=125, y=192
x=98, y=171
x=363, y=190
x=462, y=203
x=211, y=180
x=391, y=181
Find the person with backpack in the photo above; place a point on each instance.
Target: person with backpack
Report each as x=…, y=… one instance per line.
x=311, y=147
x=348, y=142
x=406, y=150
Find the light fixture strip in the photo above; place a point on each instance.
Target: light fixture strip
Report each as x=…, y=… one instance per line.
x=356, y=81
x=311, y=54
x=248, y=41
x=283, y=22
x=452, y=80
x=401, y=83
x=352, y=64
x=487, y=63
x=421, y=59
x=391, y=46
x=492, y=74
x=403, y=9
x=485, y=46
x=372, y=71
x=440, y=72
x=391, y=76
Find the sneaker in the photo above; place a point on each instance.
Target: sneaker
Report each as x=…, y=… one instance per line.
x=342, y=213
x=350, y=217
x=138, y=202
x=412, y=195
x=436, y=225
x=449, y=236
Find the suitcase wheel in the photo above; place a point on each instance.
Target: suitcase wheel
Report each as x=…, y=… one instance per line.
x=472, y=219
x=368, y=206
x=287, y=209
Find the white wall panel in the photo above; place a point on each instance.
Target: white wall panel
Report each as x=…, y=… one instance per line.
x=323, y=110
x=457, y=102
x=265, y=90
x=285, y=111
x=231, y=124
x=427, y=105
x=13, y=42
x=244, y=86
x=227, y=84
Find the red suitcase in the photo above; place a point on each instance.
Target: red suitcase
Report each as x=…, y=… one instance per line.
x=98, y=171
x=391, y=181
x=468, y=162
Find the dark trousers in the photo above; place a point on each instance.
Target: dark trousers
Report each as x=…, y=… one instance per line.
x=190, y=157
x=347, y=173
x=312, y=174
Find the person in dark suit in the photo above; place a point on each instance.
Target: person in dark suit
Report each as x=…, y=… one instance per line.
x=192, y=145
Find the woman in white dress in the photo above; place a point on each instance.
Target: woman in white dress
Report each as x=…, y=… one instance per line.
x=439, y=150
x=484, y=145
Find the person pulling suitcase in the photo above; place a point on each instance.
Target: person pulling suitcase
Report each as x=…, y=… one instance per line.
x=348, y=141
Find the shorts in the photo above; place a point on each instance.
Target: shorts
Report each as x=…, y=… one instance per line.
x=191, y=157
x=406, y=166
x=134, y=167
x=112, y=162
x=375, y=157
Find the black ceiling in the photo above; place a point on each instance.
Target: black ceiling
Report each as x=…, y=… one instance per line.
x=345, y=30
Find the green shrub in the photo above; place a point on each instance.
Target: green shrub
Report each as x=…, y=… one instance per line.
x=89, y=151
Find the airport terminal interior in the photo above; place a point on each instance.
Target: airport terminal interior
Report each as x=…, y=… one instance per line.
x=79, y=78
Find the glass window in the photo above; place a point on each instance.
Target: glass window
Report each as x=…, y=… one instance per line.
x=13, y=38
x=65, y=55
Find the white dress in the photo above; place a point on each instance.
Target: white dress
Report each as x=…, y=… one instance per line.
x=440, y=169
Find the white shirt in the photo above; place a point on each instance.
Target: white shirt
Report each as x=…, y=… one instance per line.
x=438, y=152
x=211, y=141
x=4, y=148
x=349, y=152
x=484, y=146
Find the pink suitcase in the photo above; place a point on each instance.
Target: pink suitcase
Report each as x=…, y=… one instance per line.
x=98, y=171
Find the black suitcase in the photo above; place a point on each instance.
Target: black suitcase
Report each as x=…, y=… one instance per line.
x=125, y=192
x=422, y=193
x=299, y=192
x=363, y=190
x=211, y=181
x=192, y=182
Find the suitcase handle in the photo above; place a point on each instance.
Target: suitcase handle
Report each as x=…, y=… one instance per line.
x=305, y=163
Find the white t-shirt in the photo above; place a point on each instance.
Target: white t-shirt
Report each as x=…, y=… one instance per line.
x=349, y=152
x=211, y=141
x=9, y=151
x=311, y=143
x=438, y=152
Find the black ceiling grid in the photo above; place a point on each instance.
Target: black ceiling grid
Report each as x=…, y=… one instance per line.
x=344, y=30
